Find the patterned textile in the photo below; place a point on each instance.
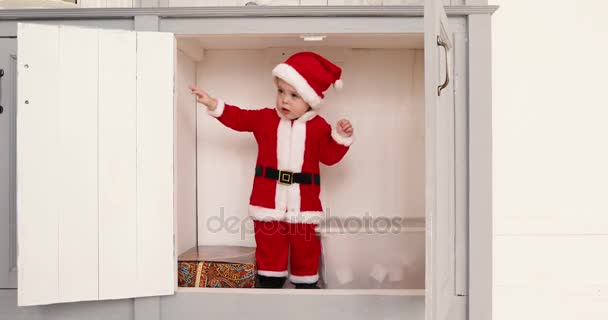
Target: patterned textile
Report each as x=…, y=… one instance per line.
x=238, y=271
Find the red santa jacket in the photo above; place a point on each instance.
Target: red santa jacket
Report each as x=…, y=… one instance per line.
x=291, y=145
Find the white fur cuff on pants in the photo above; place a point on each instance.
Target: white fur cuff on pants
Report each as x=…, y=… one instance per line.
x=304, y=279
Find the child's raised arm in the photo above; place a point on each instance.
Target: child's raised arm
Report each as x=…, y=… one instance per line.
x=336, y=142
x=231, y=116
x=204, y=98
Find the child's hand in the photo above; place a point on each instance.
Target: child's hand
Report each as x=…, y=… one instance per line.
x=204, y=98
x=344, y=128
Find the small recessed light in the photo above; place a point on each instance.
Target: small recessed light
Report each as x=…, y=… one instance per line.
x=313, y=37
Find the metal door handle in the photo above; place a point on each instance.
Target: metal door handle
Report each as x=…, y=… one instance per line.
x=447, y=71
x=1, y=75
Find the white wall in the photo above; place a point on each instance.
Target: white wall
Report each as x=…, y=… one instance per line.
x=242, y=77
x=185, y=154
x=550, y=159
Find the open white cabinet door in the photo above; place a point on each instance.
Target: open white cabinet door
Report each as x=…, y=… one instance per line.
x=94, y=164
x=442, y=301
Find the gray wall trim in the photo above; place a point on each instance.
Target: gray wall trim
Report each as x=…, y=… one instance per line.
x=297, y=25
x=249, y=11
x=146, y=23
x=282, y=304
x=480, y=167
x=120, y=309
x=147, y=308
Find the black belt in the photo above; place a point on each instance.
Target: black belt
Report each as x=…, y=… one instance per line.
x=287, y=177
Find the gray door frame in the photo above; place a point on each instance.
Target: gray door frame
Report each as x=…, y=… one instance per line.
x=8, y=218
x=478, y=19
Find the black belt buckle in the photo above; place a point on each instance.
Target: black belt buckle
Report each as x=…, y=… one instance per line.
x=285, y=177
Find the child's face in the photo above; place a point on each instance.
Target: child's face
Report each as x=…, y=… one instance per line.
x=289, y=103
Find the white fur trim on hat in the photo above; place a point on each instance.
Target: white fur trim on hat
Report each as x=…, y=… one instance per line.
x=345, y=141
x=338, y=84
x=219, y=110
x=295, y=79
x=304, y=279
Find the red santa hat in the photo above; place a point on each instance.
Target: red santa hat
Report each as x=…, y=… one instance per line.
x=310, y=74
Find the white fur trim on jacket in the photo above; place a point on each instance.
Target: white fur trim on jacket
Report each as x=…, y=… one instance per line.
x=266, y=214
x=304, y=279
x=295, y=79
x=219, y=110
x=314, y=217
x=308, y=115
x=295, y=162
x=273, y=273
x=345, y=141
x=283, y=143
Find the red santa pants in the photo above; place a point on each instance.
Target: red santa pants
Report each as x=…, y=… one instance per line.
x=274, y=239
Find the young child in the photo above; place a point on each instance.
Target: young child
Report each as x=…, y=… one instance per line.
x=292, y=139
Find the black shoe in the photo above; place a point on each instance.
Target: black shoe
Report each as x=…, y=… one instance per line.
x=306, y=286
x=270, y=282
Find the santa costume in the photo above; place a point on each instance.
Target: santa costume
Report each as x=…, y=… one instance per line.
x=284, y=201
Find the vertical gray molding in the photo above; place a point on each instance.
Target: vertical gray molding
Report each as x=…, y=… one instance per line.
x=480, y=166
x=461, y=249
x=146, y=23
x=12, y=272
x=8, y=219
x=4, y=174
x=147, y=308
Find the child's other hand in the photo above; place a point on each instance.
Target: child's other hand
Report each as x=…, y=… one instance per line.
x=204, y=98
x=345, y=128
